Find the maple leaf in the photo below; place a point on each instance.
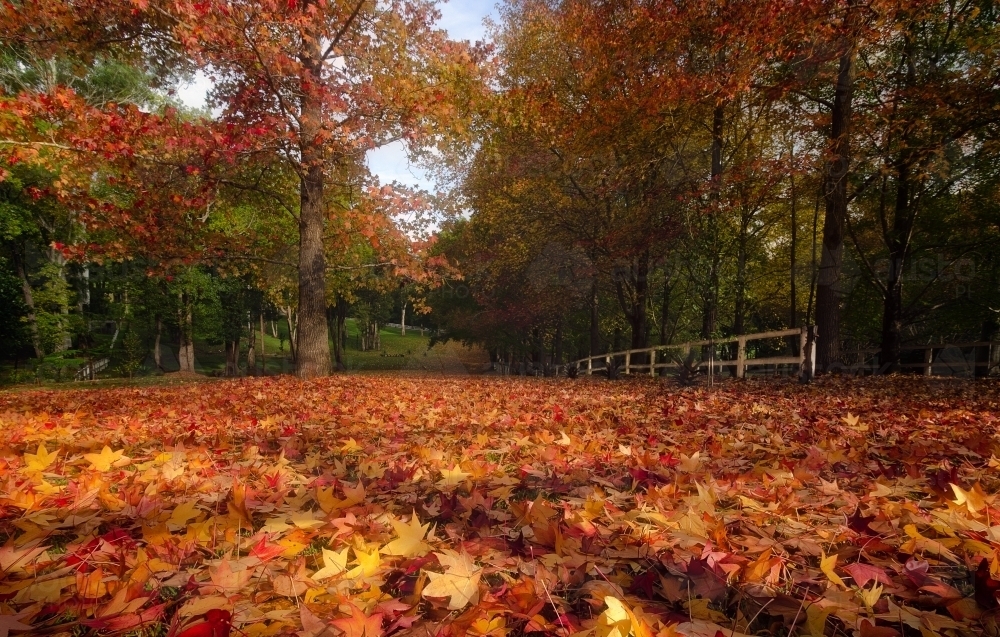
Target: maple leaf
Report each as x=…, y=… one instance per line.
x=39, y=461
x=106, y=459
x=368, y=564
x=864, y=573
x=264, y=551
x=859, y=523
x=11, y=557
x=852, y=421
x=227, y=581
x=870, y=596
x=350, y=446
x=183, y=513
x=974, y=498
x=218, y=623
x=334, y=563
x=410, y=541
x=358, y=625
x=452, y=477
x=329, y=502
x=827, y=564
x=690, y=464
x=986, y=587
x=11, y=622
x=460, y=582
x=293, y=583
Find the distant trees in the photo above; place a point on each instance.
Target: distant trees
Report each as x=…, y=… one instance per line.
x=711, y=170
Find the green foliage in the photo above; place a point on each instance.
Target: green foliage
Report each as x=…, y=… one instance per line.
x=133, y=353
x=56, y=325
x=13, y=313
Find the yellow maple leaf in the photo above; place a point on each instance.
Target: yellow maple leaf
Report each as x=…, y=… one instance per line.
x=306, y=520
x=490, y=625
x=368, y=564
x=621, y=621
x=183, y=513
x=350, y=446
x=852, y=421
x=410, y=541
x=974, y=498
x=689, y=464
x=460, y=583
x=826, y=564
x=870, y=596
x=106, y=459
x=328, y=501
x=452, y=477
x=39, y=461
x=334, y=563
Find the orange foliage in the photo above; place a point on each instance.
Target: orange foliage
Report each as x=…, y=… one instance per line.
x=370, y=506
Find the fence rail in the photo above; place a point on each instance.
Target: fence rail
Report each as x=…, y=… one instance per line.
x=91, y=369
x=645, y=359
x=705, y=356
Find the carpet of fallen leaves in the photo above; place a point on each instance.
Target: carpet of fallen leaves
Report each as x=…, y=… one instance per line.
x=376, y=506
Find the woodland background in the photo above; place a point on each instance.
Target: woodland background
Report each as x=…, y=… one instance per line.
x=612, y=175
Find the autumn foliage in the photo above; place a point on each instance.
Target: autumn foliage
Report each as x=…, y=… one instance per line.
x=496, y=507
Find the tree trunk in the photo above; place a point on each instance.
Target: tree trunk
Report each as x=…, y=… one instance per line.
x=29, y=302
x=793, y=301
x=293, y=322
x=710, y=297
x=263, y=351
x=640, y=330
x=983, y=358
x=251, y=349
x=313, y=347
x=402, y=321
x=740, y=304
x=340, y=334
x=185, y=353
x=835, y=197
x=665, y=309
x=233, y=357
x=898, y=242
x=633, y=304
x=710, y=301
x=595, y=327
x=157, y=355
x=558, y=345
x=892, y=322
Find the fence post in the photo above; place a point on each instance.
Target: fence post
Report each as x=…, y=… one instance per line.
x=928, y=361
x=741, y=356
x=652, y=363
x=590, y=367
x=807, y=351
x=803, y=344
x=628, y=361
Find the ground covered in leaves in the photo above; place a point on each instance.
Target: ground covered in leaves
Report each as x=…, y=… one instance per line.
x=371, y=506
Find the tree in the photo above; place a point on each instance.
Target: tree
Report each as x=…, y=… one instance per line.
x=314, y=84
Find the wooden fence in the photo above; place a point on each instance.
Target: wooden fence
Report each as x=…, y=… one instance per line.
x=705, y=355
x=714, y=356
x=90, y=370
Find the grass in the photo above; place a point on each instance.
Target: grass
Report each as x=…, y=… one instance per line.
x=398, y=353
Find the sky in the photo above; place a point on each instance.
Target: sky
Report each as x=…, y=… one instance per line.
x=463, y=19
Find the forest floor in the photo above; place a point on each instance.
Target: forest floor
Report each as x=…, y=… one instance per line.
x=371, y=505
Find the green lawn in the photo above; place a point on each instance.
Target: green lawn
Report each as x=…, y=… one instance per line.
x=405, y=354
